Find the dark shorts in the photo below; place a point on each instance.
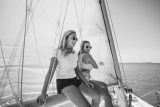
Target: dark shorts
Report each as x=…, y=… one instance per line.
x=61, y=83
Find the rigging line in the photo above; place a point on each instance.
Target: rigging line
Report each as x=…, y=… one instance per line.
x=9, y=65
x=78, y=20
x=29, y=10
x=83, y=9
x=63, y=22
x=13, y=52
x=16, y=44
x=21, y=54
x=116, y=41
x=49, y=24
x=14, y=49
x=57, y=32
x=59, y=41
x=35, y=5
x=7, y=75
x=47, y=17
x=29, y=20
x=24, y=42
x=33, y=25
x=60, y=34
x=37, y=48
x=9, y=45
x=147, y=93
x=58, y=26
x=62, y=26
x=19, y=72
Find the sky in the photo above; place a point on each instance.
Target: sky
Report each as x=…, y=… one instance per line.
x=136, y=24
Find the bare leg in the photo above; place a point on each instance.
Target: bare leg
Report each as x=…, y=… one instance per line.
x=95, y=103
x=56, y=100
x=103, y=89
x=91, y=92
x=75, y=96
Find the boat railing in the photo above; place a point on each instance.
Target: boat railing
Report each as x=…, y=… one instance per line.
x=157, y=93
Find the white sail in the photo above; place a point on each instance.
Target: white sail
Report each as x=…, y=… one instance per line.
x=44, y=23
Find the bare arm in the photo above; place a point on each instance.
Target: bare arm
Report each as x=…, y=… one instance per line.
x=50, y=73
x=112, y=84
x=81, y=76
x=90, y=59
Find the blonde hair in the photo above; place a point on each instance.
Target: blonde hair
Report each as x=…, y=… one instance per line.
x=66, y=35
x=82, y=46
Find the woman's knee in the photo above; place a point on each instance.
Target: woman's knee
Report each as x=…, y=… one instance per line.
x=69, y=89
x=75, y=96
x=98, y=96
x=106, y=96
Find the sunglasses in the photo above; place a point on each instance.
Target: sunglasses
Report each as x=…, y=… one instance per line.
x=74, y=38
x=88, y=47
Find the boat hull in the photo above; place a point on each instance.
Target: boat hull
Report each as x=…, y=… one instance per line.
x=54, y=100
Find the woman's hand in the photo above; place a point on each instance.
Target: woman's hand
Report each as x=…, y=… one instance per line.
x=89, y=84
x=42, y=99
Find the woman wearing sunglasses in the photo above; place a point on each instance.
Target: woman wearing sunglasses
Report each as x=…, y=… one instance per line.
x=85, y=64
x=64, y=62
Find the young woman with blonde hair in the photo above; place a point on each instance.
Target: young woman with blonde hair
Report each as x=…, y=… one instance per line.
x=64, y=62
x=85, y=64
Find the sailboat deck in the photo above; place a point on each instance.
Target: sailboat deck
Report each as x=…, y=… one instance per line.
x=51, y=102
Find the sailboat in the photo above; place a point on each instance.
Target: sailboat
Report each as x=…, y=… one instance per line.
x=35, y=30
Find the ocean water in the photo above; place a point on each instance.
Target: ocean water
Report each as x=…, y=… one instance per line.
x=144, y=79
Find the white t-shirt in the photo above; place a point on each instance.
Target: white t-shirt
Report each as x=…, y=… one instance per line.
x=66, y=65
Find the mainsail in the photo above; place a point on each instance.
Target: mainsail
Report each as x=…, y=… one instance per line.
x=29, y=37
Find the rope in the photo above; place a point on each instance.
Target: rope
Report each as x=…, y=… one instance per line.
x=47, y=18
x=19, y=72
x=58, y=26
x=27, y=23
x=12, y=57
x=63, y=23
x=58, y=43
x=36, y=42
x=24, y=42
x=7, y=75
x=147, y=93
x=52, y=24
x=80, y=26
x=78, y=21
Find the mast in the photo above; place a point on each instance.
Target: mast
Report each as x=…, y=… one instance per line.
x=122, y=98
x=110, y=39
